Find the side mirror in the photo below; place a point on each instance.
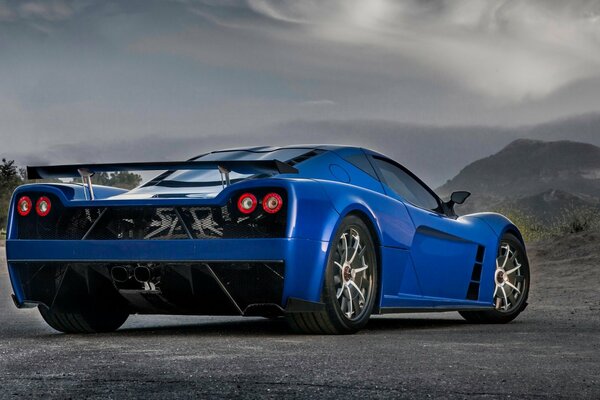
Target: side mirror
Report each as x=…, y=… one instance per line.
x=459, y=197
x=456, y=198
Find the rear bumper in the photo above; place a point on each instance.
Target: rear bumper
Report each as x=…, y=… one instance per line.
x=220, y=277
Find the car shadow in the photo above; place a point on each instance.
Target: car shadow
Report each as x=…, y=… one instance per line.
x=413, y=323
x=279, y=327
x=239, y=326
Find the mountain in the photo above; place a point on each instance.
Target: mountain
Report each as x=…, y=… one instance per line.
x=434, y=152
x=538, y=178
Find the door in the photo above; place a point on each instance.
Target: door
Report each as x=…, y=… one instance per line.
x=444, y=256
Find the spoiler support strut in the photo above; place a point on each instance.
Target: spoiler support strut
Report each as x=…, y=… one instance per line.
x=224, y=174
x=86, y=177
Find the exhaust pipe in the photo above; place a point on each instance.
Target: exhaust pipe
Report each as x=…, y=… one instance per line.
x=143, y=274
x=120, y=274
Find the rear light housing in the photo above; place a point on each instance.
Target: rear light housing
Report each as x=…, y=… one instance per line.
x=272, y=203
x=247, y=203
x=43, y=206
x=24, y=206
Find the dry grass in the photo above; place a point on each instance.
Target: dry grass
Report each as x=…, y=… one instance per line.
x=569, y=222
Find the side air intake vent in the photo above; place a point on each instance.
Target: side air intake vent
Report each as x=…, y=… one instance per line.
x=473, y=291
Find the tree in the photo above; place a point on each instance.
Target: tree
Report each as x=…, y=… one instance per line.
x=124, y=180
x=8, y=172
x=10, y=178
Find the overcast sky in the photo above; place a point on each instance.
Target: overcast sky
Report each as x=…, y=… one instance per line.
x=100, y=80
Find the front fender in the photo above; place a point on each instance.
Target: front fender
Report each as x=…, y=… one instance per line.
x=499, y=224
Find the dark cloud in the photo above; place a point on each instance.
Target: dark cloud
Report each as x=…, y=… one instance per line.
x=147, y=79
x=38, y=10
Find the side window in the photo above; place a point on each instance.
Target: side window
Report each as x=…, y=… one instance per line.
x=360, y=161
x=405, y=185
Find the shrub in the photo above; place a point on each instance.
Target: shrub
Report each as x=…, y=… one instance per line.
x=579, y=220
x=570, y=221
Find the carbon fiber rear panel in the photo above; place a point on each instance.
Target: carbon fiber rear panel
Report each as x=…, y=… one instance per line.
x=151, y=223
x=215, y=288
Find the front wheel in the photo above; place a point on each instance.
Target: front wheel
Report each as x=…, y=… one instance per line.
x=350, y=286
x=511, y=284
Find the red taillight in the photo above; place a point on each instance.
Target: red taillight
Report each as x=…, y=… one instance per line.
x=24, y=206
x=43, y=206
x=272, y=203
x=247, y=203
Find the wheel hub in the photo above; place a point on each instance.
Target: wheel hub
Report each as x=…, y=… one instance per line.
x=500, y=277
x=347, y=273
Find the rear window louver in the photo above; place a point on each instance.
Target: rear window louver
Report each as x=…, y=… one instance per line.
x=304, y=157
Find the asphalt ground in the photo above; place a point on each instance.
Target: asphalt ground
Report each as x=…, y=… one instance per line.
x=551, y=351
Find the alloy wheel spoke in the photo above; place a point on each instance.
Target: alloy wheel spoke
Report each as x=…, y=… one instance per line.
x=506, y=257
x=513, y=257
x=361, y=269
x=513, y=287
x=350, y=310
x=360, y=293
x=340, y=292
x=505, y=297
x=356, y=247
x=362, y=252
x=339, y=265
x=345, y=241
x=513, y=270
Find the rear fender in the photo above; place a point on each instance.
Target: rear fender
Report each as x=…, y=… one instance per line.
x=391, y=225
x=397, y=230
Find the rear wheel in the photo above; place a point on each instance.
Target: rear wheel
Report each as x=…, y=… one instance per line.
x=350, y=285
x=511, y=288
x=85, y=321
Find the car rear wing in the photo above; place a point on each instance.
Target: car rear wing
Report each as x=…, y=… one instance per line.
x=86, y=171
x=240, y=166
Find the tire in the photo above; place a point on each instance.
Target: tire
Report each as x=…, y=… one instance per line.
x=511, y=284
x=84, y=322
x=350, y=286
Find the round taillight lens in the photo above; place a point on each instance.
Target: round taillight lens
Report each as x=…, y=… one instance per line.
x=247, y=203
x=43, y=206
x=24, y=206
x=272, y=203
